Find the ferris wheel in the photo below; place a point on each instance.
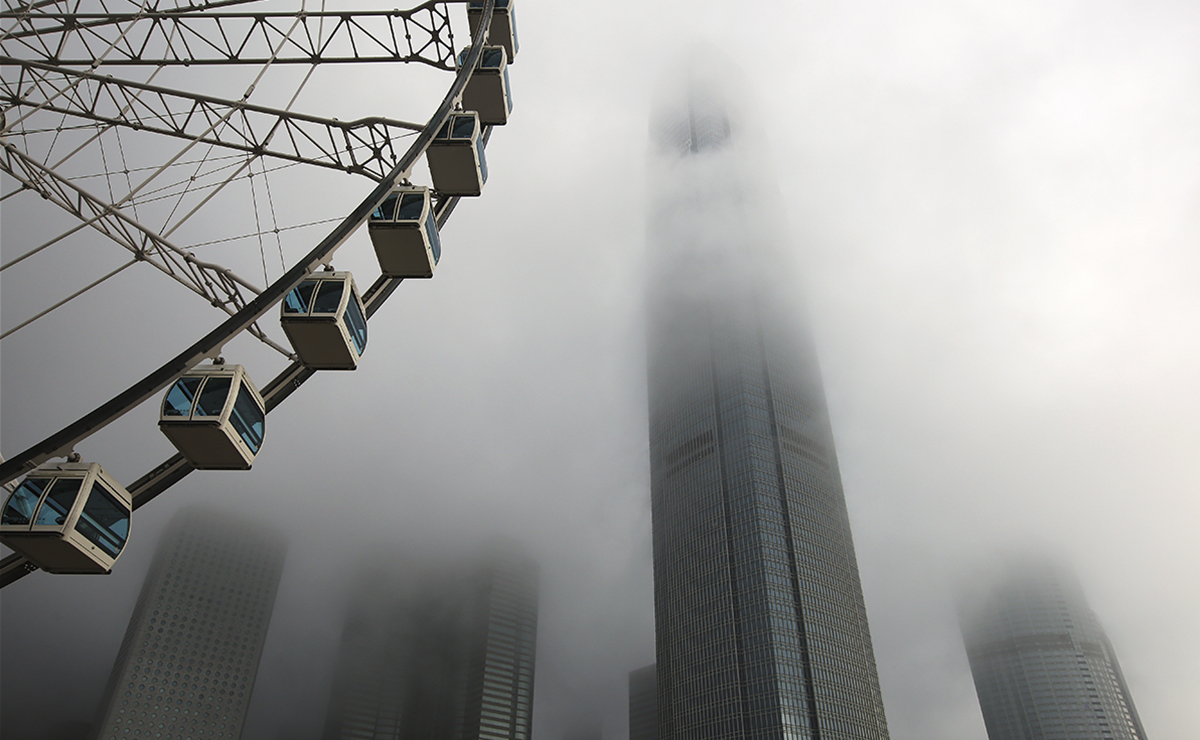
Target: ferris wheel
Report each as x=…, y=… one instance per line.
x=219, y=145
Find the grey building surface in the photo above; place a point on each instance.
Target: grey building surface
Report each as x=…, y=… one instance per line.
x=187, y=664
x=439, y=653
x=1043, y=667
x=643, y=704
x=761, y=629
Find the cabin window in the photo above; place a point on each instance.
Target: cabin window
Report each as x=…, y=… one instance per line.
x=179, y=398
x=104, y=522
x=411, y=207
x=435, y=241
x=464, y=127
x=298, y=299
x=386, y=210
x=58, y=502
x=212, y=396
x=492, y=58
x=329, y=295
x=20, y=506
x=357, y=324
x=247, y=419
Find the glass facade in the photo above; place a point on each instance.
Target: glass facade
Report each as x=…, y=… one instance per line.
x=439, y=654
x=187, y=664
x=761, y=630
x=1043, y=666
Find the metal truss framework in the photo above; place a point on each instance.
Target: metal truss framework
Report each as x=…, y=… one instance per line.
x=198, y=36
x=362, y=147
x=176, y=468
x=218, y=285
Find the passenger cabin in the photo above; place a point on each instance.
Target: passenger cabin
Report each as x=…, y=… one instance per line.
x=488, y=92
x=405, y=234
x=456, y=160
x=326, y=322
x=215, y=416
x=503, y=31
x=68, y=518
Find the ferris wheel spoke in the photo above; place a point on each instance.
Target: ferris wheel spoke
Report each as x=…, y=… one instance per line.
x=218, y=285
x=202, y=37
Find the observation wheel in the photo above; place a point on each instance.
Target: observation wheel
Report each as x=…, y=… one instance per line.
x=220, y=153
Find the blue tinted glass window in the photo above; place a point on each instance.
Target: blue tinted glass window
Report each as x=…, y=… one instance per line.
x=462, y=56
x=59, y=501
x=386, y=209
x=20, y=506
x=212, y=396
x=492, y=58
x=357, y=324
x=444, y=131
x=297, y=300
x=435, y=240
x=179, y=399
x=329, y=295
x=507, y=91
x=104, y=521
x=464, y=127
x=412, y=206
x=248, y=419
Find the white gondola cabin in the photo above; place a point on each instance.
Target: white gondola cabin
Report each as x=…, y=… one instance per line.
x=405, y=234
x=456, y=159
x=215, y=416
x=326, y=322
x=488, y=92
x=68, y=518
x=503, y=30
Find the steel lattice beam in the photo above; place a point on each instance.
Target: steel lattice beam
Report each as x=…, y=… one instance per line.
x=218, y=285
x=360, y=147
x=200, y=37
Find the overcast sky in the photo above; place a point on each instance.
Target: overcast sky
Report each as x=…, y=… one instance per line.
x=996, y=211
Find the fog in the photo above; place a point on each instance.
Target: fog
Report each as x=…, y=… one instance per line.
x=994, y=213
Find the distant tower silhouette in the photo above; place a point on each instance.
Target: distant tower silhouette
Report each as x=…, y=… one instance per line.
x=761, y=631
x=187, y=664
x=1043, y=666
x=643, y=704
x=443, y=653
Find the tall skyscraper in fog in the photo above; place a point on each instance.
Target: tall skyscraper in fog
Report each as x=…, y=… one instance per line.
x=187, y=664
x=1043, y=666
x=439, y=653
x=761, y=631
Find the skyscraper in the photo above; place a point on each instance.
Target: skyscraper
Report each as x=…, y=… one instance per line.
x=643, y=704
x=444, y=653
x=761, y=631
x=187, y=664
x=1043, y=666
